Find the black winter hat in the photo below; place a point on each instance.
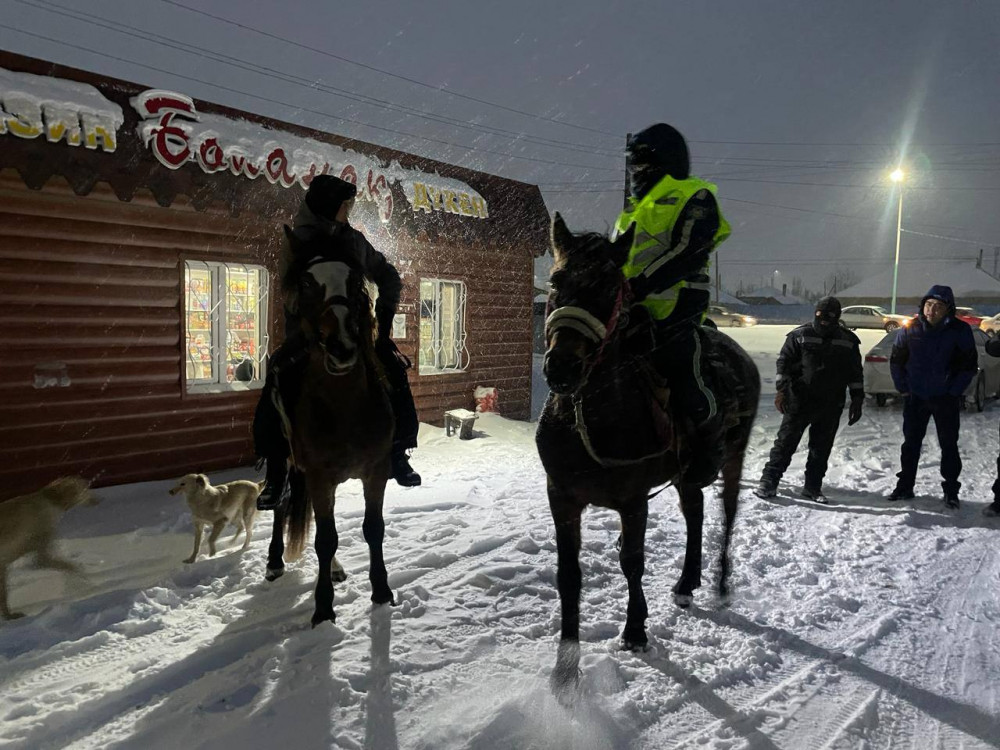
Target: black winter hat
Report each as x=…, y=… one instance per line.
x=829, y=306
x=660, y=146
x=326, y=194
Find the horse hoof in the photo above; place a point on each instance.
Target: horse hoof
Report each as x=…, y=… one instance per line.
x=273, y=574
x=386, y=598
x=319, y=617
x=338, y=576
x=636, y=647
x=565, y=686
x=683, y=600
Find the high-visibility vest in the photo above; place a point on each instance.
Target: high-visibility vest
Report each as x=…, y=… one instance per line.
x=654, y=217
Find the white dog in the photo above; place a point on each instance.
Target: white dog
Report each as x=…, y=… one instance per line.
x=28, y=524
x=233, y=502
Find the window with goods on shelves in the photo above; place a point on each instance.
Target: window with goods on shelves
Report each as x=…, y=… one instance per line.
x=442, y=327
x=225, y=322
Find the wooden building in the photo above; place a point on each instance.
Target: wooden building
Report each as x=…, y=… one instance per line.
x=139, y=236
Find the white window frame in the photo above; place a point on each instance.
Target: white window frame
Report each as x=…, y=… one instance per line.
x=459, y=350
x=218, y=315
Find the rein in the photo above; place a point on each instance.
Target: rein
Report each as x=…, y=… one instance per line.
x=584, y=323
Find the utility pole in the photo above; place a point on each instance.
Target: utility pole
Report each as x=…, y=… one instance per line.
x=628, y=137
x=996, y=260
x=717, y=279
x=979, y=262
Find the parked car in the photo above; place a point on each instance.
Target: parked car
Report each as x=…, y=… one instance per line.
x=969, y=315
x=724, y=318
x=878, y=379
x=871, y=316
x=990, y=325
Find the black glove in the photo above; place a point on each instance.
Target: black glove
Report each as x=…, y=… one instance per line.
x=781, y=402
x=854, y=413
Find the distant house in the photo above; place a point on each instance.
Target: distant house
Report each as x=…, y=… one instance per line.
x=971, y=284
x=768, y=295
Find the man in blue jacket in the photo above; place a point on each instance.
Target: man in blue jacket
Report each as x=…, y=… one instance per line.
x=933, y=361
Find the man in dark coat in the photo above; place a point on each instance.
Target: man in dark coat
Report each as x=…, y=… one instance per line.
x=321, y=225
x=932, y=362
x=818, y=361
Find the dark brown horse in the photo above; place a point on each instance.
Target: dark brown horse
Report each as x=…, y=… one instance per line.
x=604, y=440
x=341, y=428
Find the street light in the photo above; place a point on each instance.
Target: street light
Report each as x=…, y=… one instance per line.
x=897, y=177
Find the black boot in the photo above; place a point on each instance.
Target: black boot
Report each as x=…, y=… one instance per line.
x=402, y=472
x=275, y=487
x=704, y=457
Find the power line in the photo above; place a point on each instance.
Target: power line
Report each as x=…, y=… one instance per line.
x=386, y=72
x=468, y=149
x=249, y=66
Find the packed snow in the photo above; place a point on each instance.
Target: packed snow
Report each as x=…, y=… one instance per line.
x=860, y=624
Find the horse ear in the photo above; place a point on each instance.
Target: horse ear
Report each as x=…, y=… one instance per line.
x=622, y=245
x=562, y=238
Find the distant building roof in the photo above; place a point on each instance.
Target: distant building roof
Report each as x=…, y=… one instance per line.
x=768, y=295
x=966, y=280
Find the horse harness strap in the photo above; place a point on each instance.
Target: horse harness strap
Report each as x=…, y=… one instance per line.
x=580, y=426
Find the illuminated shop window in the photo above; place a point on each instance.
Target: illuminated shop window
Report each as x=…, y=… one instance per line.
x=442, y=327
x=226, y=341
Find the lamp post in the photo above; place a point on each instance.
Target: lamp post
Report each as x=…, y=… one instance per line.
x=897, y=177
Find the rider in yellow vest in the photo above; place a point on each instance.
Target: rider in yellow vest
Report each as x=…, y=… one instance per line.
x=677, y=226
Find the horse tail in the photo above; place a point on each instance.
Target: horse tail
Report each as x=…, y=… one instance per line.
x=297, y=516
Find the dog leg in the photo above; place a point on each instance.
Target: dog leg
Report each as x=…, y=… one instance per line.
x=197, y=542
x=5, y=612
x=217, y=528
x=248, y=518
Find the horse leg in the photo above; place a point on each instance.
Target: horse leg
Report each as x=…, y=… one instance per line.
x=632, y=559
x=276, y=549
x=374, y=531
x=566, y=516
x=732, y=472
x=326, y=547
x=693, y=508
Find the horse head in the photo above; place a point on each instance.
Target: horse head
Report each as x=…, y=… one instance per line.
x=587, y=295
x=336, y=311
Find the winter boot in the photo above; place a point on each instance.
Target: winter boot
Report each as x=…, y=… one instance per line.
x=815, y=494
x=402, y=472
x=766, y=489
x=275, y=486
x=992, y=510
x=704, y=452
x=951, y=500
x=900, y=494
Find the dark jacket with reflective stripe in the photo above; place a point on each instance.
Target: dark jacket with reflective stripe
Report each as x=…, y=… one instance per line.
x=815, y=370
x=930, y=361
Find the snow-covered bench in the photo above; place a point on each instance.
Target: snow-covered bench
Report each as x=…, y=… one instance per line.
x=460, y=421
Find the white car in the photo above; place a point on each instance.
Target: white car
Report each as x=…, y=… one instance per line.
x=724, y=318
x=871, y=316
x=878, y=379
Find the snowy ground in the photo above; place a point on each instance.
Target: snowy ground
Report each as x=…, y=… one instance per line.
x=854, y=625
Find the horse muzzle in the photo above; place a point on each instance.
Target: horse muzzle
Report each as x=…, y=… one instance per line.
x=563, y=373
x=337, y=358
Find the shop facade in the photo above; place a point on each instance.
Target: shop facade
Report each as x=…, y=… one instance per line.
x=139, y=239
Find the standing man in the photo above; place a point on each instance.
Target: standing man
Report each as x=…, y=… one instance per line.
x=321, y=226
x=818, y=361
x=933, y=361
x=677, y=226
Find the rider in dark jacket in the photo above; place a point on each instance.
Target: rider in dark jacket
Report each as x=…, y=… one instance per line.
x=932, y=362
x=321, y=223
x=817, y=363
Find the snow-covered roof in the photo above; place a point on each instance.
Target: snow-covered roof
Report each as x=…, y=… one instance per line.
x=965, y=279
x=725, y=298
x=769, y=292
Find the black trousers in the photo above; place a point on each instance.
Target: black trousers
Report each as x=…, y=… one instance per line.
x=917, y=412
x=677, y=356
x=822, y=422
x=286, y=369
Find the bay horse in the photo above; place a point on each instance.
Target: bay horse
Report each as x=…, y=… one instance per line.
x=604, y=440
x=341, y=427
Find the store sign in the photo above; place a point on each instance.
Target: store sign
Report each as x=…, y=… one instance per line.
x=32, y=106
x=176, y=133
